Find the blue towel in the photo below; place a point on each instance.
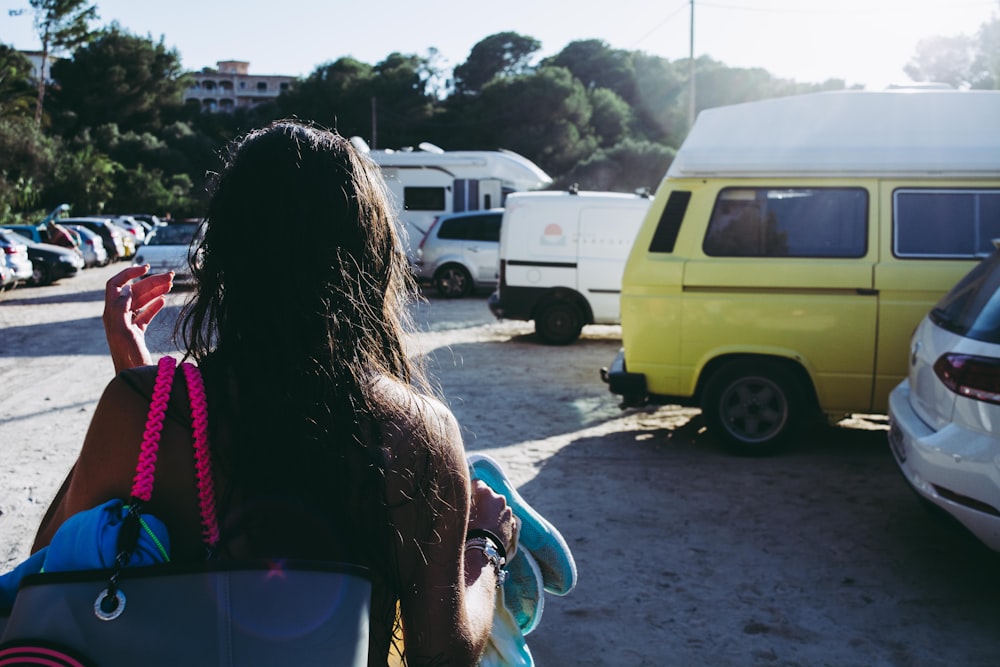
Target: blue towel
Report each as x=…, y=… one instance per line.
x=88, y=540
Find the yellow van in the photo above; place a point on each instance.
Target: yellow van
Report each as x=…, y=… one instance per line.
x=793, y=246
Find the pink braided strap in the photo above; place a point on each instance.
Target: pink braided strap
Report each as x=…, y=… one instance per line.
x=202, y=456
x=142, y=485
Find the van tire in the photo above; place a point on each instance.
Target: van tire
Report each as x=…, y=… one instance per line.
x=752, y=407
x=453, y=282
x=558, y=323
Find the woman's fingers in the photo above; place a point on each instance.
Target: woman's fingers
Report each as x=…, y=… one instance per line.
x=141, y=318
x=146, y=291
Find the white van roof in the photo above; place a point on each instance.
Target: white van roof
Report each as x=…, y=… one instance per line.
x=848, y=133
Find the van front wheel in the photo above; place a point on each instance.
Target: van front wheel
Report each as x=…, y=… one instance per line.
x=752, y=407
x=558, y=323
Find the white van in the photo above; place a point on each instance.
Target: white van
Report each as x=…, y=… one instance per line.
x=562, y=255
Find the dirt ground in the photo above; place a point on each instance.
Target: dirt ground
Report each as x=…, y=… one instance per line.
x=687, y=556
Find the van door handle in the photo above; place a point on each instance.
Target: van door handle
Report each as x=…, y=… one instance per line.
x=863, y=291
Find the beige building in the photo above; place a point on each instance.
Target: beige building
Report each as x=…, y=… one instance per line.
x=230, y=86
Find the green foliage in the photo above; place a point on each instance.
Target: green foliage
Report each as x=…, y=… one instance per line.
x=597, y=65
x=140, y=189
x=27, y=160
x=504, y=54
x=544, y=116
x=336, y=95
x=611, y=117
x=118, y=78
x=630, y=166
x=16, y=91
x=84, y=177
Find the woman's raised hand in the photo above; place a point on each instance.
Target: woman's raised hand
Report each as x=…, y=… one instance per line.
x=129, y=307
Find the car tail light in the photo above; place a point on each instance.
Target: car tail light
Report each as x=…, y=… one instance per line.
x=430, y=229
x=503, y=273
x=9, y=250
x=967, y=375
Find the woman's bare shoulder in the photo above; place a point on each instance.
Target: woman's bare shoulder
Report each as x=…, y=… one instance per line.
x=418, y=430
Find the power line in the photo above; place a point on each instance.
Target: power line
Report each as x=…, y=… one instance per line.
x=659, y=25
x=902, y=7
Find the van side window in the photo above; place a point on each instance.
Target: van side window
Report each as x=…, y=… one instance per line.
x=788, y=222
x=945, y=223
x=670, y=222
x=423, y=199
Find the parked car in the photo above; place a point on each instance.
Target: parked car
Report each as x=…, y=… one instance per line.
x=92, y=246
x=945, y=416
x=168, y=247
x=7, y=280
x=132, y=226
x=50, y=262
x=458, y=255
x=15, y=256
x=112, y=235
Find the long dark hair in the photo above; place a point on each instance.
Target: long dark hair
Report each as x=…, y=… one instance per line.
x=301, y=300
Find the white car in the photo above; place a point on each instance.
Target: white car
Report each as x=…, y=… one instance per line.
x=168, y=248
x=945, y=417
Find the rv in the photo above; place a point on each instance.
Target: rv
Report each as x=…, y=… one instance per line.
x=428, y=182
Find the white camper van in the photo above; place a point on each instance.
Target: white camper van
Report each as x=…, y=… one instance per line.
x=428, y=182
x=562, y=255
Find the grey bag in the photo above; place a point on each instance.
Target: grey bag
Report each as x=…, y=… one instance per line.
x=245, y=614
x=211, y=614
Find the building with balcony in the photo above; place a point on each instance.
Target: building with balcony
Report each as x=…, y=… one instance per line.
x=230, y=86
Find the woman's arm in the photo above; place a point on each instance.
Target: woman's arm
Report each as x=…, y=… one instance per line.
x=449, y=592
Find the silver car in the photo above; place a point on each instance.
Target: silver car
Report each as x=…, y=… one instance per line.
x=92, y=246
x=14, y=253
x=459, y=253
x=944, y=417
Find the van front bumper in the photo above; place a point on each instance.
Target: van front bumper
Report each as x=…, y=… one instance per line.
x=631, y=386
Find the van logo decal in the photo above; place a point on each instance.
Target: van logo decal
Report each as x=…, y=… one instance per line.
x=553, y=235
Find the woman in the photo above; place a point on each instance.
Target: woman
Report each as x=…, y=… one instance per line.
x=326, y=443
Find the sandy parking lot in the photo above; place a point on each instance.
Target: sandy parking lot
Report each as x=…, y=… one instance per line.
x=687, y=556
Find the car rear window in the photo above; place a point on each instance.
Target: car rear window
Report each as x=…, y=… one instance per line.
x=972, y=307
x=173, y=235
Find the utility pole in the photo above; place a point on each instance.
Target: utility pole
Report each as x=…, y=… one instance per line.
x=691, y=72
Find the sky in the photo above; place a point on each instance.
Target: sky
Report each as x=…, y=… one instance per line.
x=866, y=42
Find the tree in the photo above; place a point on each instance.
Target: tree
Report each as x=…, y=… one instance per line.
x=85, y=178
x=118, y=78
x=61, y=25
x=503, y=54
x=544, y=115
x=630, y=166
x=27, y=160
x=335, y=95
x=597, y=65
x=611, y=117
x=943, y=60
x=15, y=86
